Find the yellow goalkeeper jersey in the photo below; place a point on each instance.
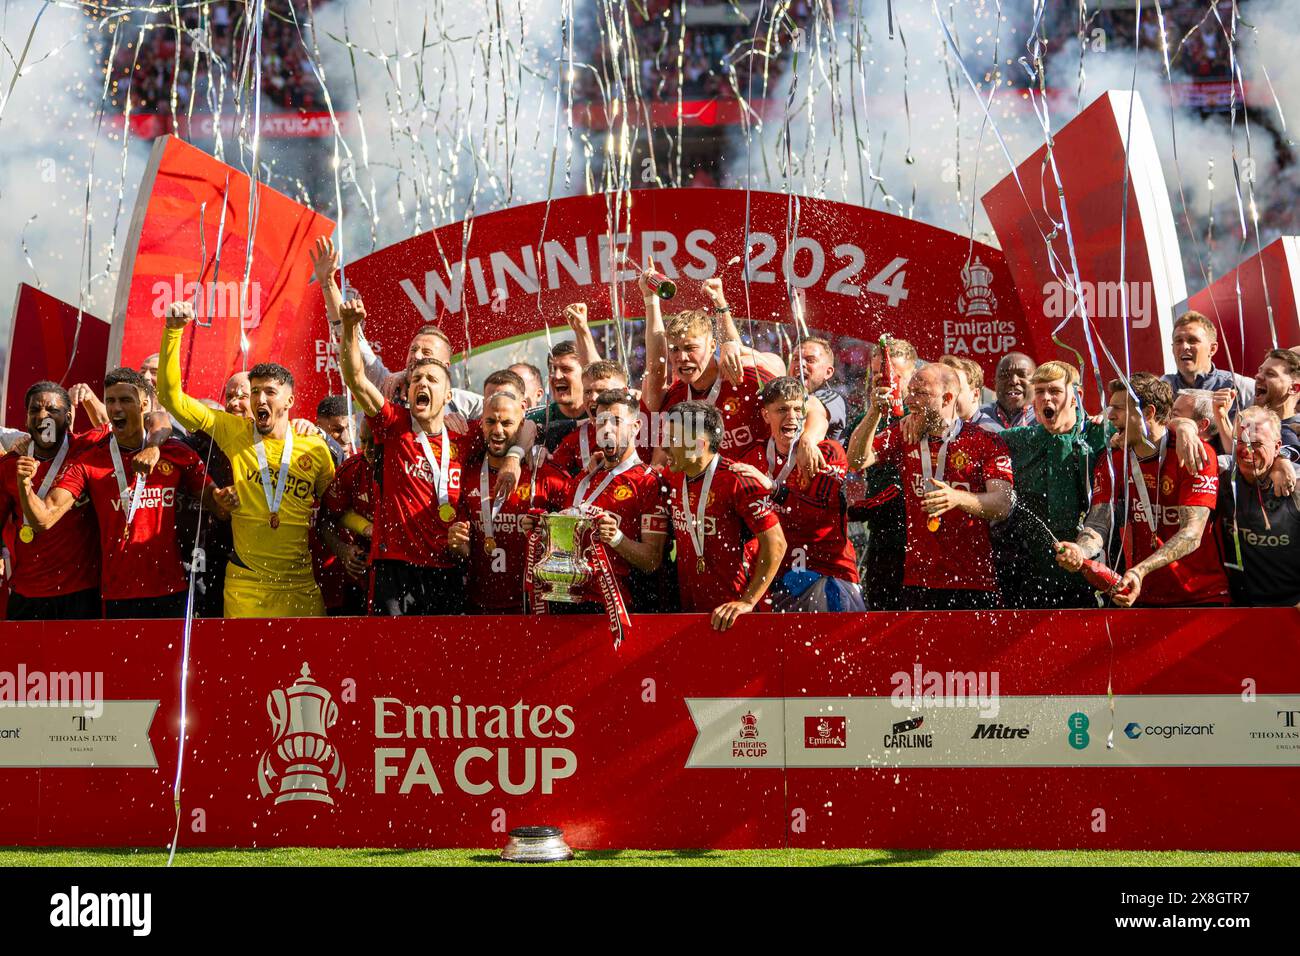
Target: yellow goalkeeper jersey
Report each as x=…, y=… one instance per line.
x=273, y=560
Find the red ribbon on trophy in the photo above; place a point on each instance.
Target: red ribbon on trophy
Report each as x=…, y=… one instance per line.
x=533, y=602
x=620, y=624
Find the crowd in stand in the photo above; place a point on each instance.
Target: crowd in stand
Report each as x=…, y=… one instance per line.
x=724, y=480
x=164, y=61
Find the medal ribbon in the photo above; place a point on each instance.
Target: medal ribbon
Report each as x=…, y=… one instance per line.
x=273, y=498
x=1139, y=479
x=130, y=499
x=486, y=510
x=937, y=474
x=780, y=478
x=694, y=522
x=439, y=467
x=582, y=500
x=48, y=481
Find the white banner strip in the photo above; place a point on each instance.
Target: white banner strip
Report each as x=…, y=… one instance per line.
x=64, y=735
x=1196, y=730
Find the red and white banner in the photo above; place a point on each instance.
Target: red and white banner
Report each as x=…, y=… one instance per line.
x=189, y=239
x=883, y=730
x=288, y=125
x=1254, y=302
x=860, y=272
x=1129, y=299
x=49, y=339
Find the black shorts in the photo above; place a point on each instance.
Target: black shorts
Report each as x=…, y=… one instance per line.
x=948, y=599
x=145, y=609
x=403, y=589
x=77, y=606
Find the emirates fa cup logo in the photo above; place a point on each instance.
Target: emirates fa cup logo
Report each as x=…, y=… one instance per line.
x=976, y=298
x=748, y=726
x=301, y=762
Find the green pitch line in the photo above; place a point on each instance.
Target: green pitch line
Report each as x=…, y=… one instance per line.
x=361, y=857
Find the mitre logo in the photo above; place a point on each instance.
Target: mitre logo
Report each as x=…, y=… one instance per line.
x=301, y=763
x=825, y=732
x=977, y=297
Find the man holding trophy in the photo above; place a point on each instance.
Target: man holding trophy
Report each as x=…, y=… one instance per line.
x=619, y=503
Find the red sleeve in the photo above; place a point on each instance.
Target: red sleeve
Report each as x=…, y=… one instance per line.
x=72, y=478
x=654, y=505
x=1101, y=481
x=385, y=424
x=751, y=502
x=338, y=496
x=1200, y=490
x=825, y=486
x=996, y=459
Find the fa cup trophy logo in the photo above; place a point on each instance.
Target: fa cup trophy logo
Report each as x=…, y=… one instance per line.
x=976, y=297
x=301, y=755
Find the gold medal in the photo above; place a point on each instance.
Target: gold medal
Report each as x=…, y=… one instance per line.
x=933, y=523
x=27, y=535
x=275, y=519
x=447, y=513
x=699, y=565
x=489, y=545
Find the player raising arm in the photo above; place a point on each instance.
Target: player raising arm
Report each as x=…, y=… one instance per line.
x=277, y=476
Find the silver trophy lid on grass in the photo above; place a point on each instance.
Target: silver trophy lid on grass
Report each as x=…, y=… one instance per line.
x=536, y=845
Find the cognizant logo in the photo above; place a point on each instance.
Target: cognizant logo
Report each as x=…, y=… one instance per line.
x=1135, y=730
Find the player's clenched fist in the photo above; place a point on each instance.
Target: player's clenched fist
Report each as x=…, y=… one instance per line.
x=27, y=468
x=179, y=314
x=352, y=312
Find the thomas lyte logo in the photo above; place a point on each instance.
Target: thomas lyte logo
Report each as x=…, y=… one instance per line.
x=301, y=763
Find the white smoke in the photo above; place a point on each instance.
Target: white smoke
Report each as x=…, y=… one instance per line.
x=48, y=152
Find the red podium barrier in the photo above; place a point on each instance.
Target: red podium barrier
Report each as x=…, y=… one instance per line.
x=800, y=730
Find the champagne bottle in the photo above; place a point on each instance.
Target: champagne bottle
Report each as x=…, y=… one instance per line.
x=887, y=376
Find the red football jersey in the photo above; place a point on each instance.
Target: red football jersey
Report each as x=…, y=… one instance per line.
x=574, y=449
x=148, y=563
x=958, y=555
x=496, y=577
x=1198, y=578
x=351, y=490
x=742, y=412
x=64, y=559
x=638, y=500
x=813, y=516
x=737, y=509
x=408, y=525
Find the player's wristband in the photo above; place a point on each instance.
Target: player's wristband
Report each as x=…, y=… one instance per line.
x=516, y=451
x=615, y=541
x=718, y=310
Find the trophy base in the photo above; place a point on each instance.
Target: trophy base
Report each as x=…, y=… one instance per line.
x=565, y=594
x=536, y=845
x=304, y=783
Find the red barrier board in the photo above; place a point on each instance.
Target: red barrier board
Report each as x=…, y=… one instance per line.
x=49, y=339
x=883, y=730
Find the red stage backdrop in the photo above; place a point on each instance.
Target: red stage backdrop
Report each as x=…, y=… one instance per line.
x=1269, y=279
x=1090, y=154
x=41, y=346
x=189, y=239
x=884, y=730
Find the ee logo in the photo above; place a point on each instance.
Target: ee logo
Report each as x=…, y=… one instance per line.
x=1078, y=724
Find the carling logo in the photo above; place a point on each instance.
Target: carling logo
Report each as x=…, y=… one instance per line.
x=825, y=732
x=77, y=909
x=920, y=688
